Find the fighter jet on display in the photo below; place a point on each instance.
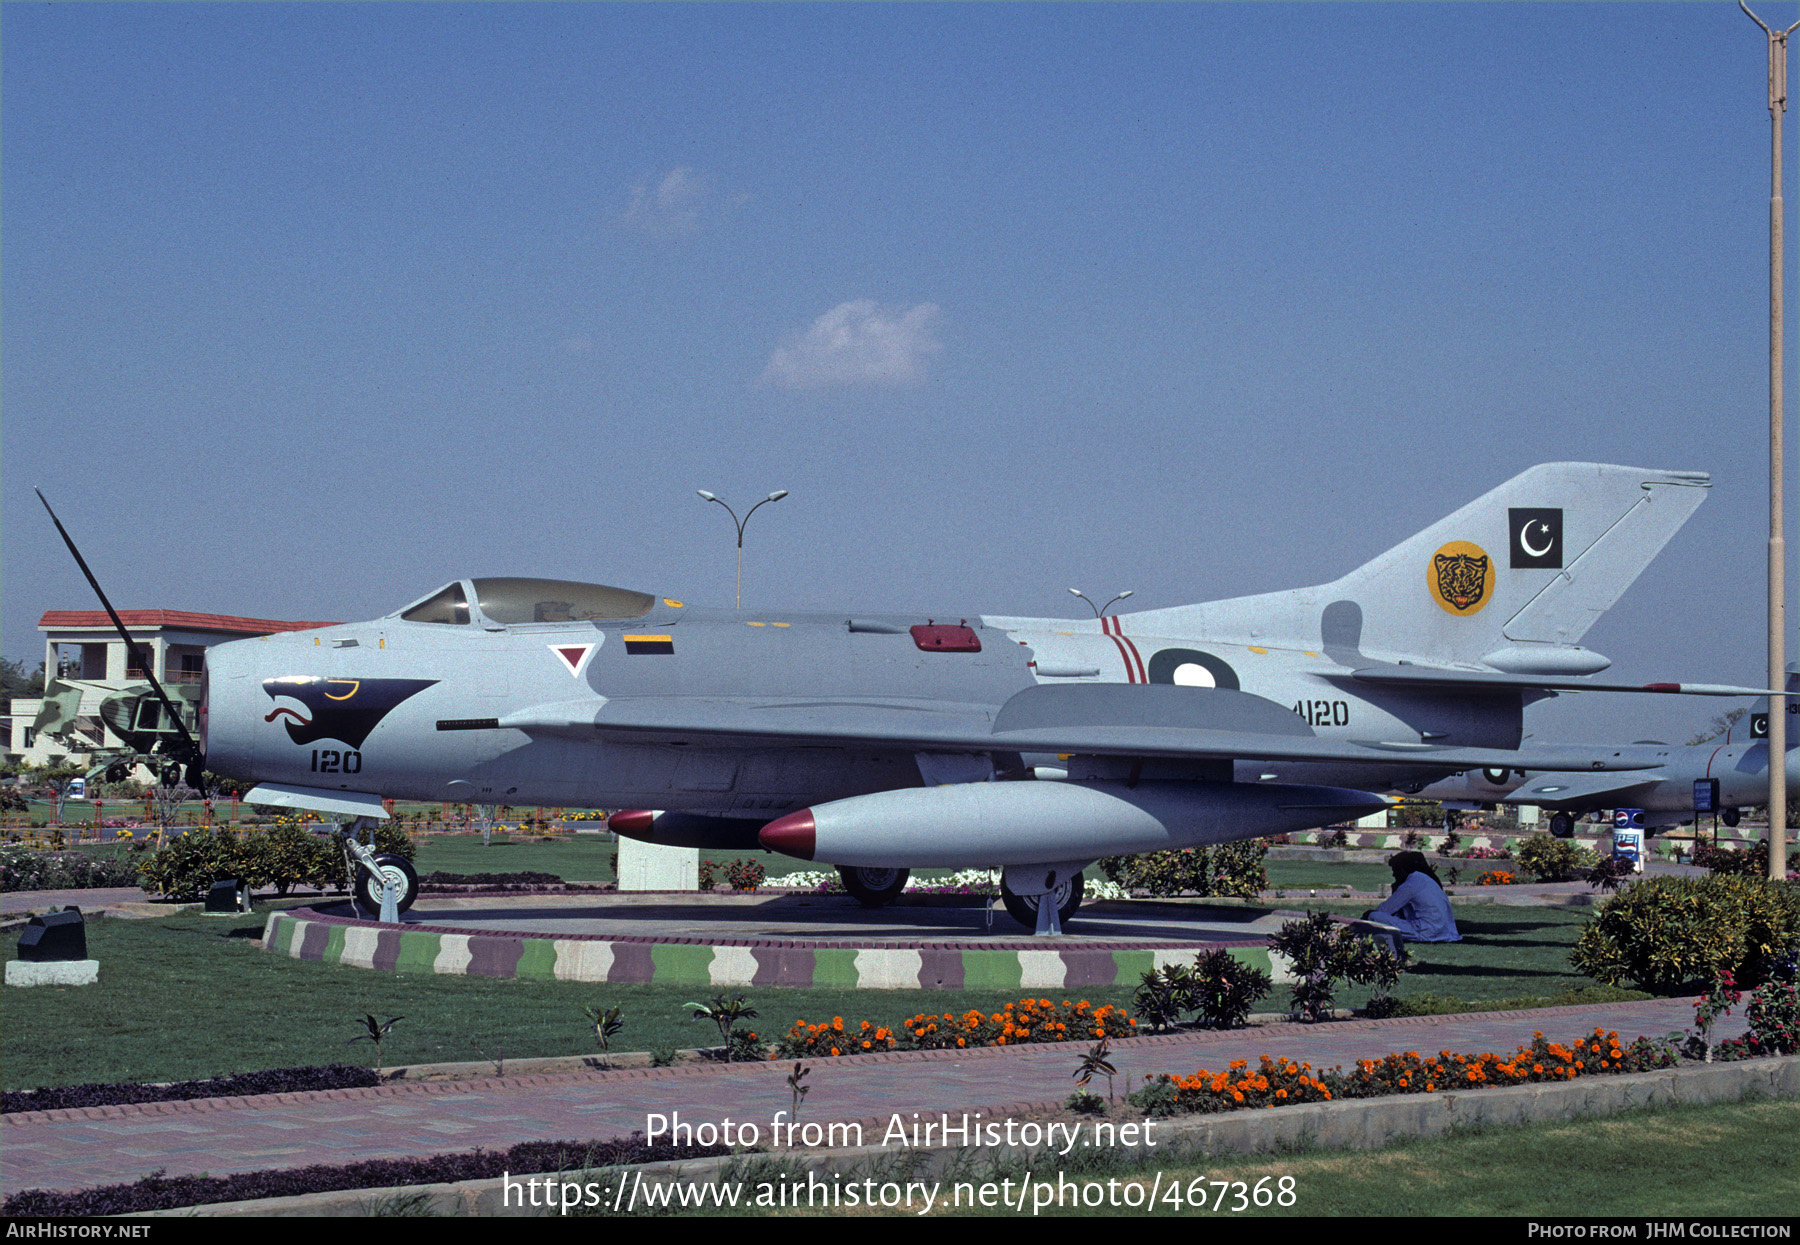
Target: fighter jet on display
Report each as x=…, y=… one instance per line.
x=887, y=742
x=1739, y=761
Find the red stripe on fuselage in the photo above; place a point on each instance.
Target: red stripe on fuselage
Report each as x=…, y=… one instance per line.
x=1134, y=665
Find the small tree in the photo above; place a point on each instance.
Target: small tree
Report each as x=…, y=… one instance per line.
x=724, y=1011
x=376, y=1030
x=607, y=1024
x=58, y=775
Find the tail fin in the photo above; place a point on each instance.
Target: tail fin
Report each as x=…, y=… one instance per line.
x=1759, y=708
x=1513, y=579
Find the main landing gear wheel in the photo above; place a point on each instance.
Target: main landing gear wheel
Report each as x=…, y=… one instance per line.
x=873, y=886
x=1731, y=817
x=1562, y=825
x=369, y=887
x=1024, y=908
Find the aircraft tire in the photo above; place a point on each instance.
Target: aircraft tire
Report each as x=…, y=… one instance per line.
x=1731, y=817
x=1024, y=908
x=871, y=886
x=1562, y=825
x=368, y=888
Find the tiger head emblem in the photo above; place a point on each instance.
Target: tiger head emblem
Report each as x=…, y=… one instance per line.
x=1462, y=578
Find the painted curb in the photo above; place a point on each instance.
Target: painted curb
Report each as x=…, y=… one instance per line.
x=304, y=934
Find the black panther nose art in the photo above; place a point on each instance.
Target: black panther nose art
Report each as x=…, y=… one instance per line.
x=342, y=709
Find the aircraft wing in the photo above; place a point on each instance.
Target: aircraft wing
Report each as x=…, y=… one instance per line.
x=1583, y=791
x=1481, y=680
x=1147, y=720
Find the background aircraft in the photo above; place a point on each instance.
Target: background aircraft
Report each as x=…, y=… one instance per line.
x=882, y=743
x=1739, y=760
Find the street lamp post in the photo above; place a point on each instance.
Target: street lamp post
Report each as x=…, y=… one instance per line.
x=777, y=495
x=1777, y=537
x=1100, y=610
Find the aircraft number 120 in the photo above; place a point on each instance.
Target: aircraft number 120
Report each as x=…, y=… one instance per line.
x=1324, y=712
x=328, y=761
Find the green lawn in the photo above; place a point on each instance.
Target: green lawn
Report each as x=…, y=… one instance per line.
x=1292, y=875
x=190, y=995
x=1729, y=1161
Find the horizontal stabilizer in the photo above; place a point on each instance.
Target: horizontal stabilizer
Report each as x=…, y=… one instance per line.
x=1581, y=790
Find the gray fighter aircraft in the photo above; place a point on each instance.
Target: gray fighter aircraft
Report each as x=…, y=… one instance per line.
x=887, y=742
x=1739, y=760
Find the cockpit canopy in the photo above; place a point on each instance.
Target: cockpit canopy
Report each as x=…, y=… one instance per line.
x=509, y=601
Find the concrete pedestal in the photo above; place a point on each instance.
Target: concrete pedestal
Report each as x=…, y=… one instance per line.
x=52, y=972
x=648, y=867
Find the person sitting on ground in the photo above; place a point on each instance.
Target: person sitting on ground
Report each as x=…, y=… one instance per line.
x=1418, y=909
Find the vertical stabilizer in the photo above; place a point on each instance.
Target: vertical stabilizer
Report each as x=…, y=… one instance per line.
x=1514, y=579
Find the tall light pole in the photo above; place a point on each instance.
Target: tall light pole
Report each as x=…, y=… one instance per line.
x=1100, y=610
x=1777, y=539
x=777, y=495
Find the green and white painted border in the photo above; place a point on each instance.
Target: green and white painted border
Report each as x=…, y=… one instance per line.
x=444, y=950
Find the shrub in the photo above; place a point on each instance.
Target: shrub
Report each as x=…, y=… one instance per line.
x=1667, y=934
x=26, y=869
x=1225, y=869
x=238, y=1084
x=186, y=867
x=1321, y=952
x=1308, y=945
x=1551, y=859
x=1161, y=873
x=1226, y=988
x=745, y=874
x=1752, y=861
x=1164, y=996
x=1237, y=869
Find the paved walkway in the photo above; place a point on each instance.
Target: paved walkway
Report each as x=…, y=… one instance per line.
x=76, y=1149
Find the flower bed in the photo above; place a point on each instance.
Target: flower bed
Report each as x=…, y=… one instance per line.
x=25, y=869
x=159, y=1192
x=978, y=882
x=1280, y=1083
x=236, y=1085
x=1017, y=1024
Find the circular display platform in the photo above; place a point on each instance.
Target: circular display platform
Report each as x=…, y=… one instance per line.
x=770, y=940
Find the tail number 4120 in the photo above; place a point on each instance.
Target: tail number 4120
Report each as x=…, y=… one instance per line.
x=331, y=761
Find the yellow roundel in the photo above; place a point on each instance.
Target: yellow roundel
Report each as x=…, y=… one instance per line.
x=1461, y=578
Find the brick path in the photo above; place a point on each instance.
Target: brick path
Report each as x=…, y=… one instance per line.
x=75, y=1149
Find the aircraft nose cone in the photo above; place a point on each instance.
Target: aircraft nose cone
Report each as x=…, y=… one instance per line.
x=793, y=835
x=633, y=823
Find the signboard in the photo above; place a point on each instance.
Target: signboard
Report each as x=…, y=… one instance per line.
x=1706, y=795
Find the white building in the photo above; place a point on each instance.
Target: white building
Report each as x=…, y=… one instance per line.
x=81, y=646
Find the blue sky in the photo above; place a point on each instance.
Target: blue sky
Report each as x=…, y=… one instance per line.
x=310, y=308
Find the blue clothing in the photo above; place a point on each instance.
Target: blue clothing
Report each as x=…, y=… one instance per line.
x=1420, y=910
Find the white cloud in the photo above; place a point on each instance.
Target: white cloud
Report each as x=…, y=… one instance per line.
x=857, y=343
x=672, y=207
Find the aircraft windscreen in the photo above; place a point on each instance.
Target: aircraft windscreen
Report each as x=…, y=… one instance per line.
x=508, y=601
x=448, y=606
